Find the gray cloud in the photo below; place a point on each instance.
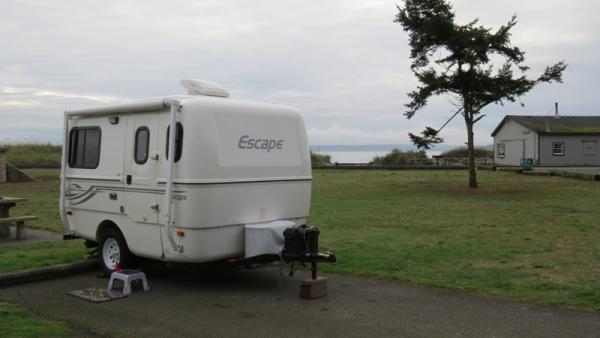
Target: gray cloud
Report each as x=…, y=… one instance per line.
x=343, y=63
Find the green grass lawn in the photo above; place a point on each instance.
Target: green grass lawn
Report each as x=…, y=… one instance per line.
x=38, y=255
x=42, y=201
x=32, y=153
x=522, y=237
x=42, y=197
x=528, y=238
x=16, y=322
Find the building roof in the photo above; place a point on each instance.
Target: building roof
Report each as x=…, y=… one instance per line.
x=555, y=125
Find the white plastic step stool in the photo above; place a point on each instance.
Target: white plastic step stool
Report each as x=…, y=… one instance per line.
x=128, y=276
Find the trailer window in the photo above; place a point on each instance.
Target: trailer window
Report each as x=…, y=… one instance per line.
x=84, y=147
x=178, y=141
x=142, y=140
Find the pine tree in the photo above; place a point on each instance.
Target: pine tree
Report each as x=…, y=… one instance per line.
x=462, y=60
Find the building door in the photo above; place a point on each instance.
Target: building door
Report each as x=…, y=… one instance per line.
x=141, y=190
x=514, y=151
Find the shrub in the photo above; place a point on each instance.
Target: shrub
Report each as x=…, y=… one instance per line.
x=320, y=160
x=463, y=152
x=398, y=157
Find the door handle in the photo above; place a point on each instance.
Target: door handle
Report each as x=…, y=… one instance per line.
x=128, y=179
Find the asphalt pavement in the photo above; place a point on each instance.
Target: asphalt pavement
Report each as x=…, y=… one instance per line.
x=201, y=302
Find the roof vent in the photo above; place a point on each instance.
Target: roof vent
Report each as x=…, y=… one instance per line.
x=203, y=87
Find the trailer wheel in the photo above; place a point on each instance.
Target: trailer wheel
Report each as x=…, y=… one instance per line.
x=113, y=250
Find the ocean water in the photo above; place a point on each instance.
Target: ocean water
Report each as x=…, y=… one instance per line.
x=354, y=156
x=361, y=156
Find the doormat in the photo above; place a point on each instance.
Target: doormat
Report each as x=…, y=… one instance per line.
x=96, y=295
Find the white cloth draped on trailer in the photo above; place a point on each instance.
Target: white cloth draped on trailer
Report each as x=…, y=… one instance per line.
x=265, y=238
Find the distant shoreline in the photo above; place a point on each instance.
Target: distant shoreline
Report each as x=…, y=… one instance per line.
x=382, y=147
x=365, y=153
x=369, y=147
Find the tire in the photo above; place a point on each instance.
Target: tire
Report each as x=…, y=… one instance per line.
x=113, y=249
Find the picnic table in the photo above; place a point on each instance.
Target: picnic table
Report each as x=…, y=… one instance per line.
x=5, y=220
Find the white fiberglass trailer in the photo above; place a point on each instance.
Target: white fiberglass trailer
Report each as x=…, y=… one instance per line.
x=236, y=164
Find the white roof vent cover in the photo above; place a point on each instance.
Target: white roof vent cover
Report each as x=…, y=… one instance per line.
x=203, y=87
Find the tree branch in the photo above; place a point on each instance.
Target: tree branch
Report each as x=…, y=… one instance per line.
x=477, y=119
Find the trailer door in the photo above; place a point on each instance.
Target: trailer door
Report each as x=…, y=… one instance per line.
x=141, y=191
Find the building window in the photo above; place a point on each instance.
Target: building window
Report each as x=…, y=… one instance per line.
x=500, y=149
x=558, y=148
x=178, y=141
x=589, y=147
x=84, y=147
x=142, y=140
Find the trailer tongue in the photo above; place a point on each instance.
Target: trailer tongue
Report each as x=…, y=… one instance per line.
x=302, y=245
x=281, y=240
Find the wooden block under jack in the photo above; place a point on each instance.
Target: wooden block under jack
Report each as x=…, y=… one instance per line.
x=313, y=288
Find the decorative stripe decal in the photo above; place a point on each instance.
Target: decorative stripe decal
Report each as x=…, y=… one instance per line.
x=76, y=195
x=242, y=182
x=85, y=199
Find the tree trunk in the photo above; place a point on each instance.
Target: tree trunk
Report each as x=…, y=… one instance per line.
x=471, y=147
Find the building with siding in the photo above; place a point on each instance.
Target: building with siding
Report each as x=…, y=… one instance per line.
x=548, y=140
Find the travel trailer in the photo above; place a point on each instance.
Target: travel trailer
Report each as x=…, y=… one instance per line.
x=184, y=178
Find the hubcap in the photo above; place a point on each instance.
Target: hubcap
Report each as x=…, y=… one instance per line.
x=111, y=253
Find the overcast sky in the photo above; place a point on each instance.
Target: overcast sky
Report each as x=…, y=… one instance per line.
x=343, y=63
